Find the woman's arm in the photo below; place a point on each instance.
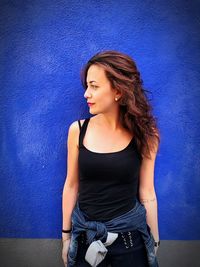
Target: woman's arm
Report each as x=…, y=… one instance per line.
x=70, y=190
x=147, y=193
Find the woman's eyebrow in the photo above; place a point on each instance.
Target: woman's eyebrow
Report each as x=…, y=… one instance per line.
x=91, y=82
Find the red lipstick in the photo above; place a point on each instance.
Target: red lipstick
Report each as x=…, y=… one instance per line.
x=90, y=104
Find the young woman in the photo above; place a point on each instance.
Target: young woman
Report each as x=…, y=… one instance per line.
x=109, y=199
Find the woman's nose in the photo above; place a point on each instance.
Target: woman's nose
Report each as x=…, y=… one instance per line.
x=87, y=94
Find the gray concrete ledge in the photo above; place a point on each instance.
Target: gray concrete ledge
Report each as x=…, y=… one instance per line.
x=47, y=253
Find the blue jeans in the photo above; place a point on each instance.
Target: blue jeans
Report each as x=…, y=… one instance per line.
x=128, y=250
x=135, y=219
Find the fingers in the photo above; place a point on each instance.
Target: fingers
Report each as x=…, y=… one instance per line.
x=65, y=251
x=64, y=257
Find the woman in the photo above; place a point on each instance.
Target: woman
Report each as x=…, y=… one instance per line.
x=109, y=199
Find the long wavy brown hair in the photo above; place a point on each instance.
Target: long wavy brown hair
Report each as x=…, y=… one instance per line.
x=136, y=112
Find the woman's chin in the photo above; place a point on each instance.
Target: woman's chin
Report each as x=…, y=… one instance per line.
x=93, y=113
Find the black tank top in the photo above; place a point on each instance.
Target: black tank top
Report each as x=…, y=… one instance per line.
x=108, y=182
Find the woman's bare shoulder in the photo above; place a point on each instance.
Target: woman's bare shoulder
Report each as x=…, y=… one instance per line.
x=75, y=125
x=74, y=130
x=92, y=119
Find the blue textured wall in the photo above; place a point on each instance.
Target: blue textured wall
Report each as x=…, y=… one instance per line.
x=43, y=47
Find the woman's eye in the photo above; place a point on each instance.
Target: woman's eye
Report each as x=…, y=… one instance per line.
x=92, y=86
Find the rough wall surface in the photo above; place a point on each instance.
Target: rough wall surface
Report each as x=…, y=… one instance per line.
x=43, y=46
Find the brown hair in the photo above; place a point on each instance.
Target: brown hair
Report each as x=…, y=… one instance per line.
x=135, y=109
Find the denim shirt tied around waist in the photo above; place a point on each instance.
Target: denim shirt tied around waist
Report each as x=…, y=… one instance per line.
x=95, y=230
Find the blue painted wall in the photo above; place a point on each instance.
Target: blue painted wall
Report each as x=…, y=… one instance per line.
x=43, y=46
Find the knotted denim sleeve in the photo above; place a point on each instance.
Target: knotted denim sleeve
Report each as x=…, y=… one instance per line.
x=131, y=220
x=97, y=251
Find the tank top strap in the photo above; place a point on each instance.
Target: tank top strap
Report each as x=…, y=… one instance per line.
x=79, y=123
x=83, y=130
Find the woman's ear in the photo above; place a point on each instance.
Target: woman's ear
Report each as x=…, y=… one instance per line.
x=118, y=94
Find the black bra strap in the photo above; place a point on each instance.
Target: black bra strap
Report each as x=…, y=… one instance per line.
x=82, y=131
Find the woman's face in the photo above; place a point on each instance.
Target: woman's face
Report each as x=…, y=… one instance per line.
x=99, y=91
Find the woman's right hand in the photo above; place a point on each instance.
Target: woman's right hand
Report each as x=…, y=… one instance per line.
x=65, y=249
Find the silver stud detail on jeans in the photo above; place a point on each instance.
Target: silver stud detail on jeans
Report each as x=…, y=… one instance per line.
x=130, y=238
x=124, y=239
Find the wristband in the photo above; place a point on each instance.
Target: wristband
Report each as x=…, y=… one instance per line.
x=157, y=244
x=66, y=231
